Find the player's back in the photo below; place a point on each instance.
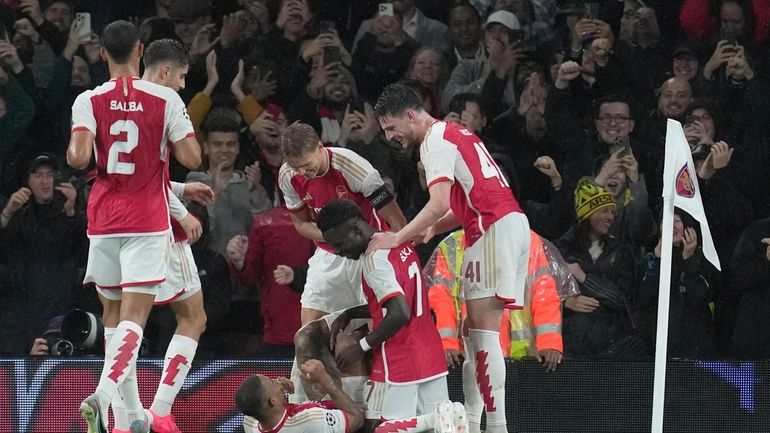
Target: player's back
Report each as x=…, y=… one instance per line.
x=132, y=121
x=480, y=194
x=414, y=354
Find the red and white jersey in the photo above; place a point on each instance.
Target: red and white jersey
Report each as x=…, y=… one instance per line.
x=132, y=121
x=414, y=354
x=480, y=194
x=310, y=417
x=349, y=177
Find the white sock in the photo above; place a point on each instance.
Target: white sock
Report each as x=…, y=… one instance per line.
x=490, y=376
x=474, y=405
x=119, y=358
x=422, y=423
x=179, y=356
x=129, y=392
x=118, y=408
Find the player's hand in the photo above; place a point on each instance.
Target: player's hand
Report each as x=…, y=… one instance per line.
x=454, y=358
x=17, y=200
x=549, y=358
x=349, y=356
x=425, y=236
x=236, y=250
x=283, y=275
x=383, y=241
x=199, y=193
x=314, y=371
x=581, y=304
x=192, y=227
x=286, y=384
x=70, y=195
x=40, y=347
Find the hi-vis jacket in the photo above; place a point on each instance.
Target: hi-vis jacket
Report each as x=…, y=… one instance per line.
x=537, y=327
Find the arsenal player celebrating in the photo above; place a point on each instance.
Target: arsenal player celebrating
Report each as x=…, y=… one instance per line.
x=408, y=372
x=128, y=123
x=466, y=188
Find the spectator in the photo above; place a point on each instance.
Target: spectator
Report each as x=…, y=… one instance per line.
x=597, y=322
x=239, y=196
x=750, y=266
x=691, y=322
x=191, y=20
x=52, y=20
x=43, y=228
x=16, y=113
x=274, y=257
x=267, y=132
x=742, y=20
x=427, y=66
x=493, y=74
x=425, y=31
x=465, y=31
x=537, y=19
x=382, y=55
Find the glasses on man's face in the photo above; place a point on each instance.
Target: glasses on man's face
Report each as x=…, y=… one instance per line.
x=607, y=119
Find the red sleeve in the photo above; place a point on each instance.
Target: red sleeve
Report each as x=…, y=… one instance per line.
x=439, y=180
x=252, y=263
x=694, y=19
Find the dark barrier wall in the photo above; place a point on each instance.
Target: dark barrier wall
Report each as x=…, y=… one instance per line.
x=43, y=396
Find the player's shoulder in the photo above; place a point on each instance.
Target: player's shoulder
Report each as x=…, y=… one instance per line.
x=96, y=91
x=286, y=173
x=155, y=89
x=349, y=162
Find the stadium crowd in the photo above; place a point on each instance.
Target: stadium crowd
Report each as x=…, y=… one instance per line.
x=571, y=99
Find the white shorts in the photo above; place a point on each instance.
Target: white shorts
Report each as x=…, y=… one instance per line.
x=496, y=264
x=182, y=279
x=333, y=282
x=133, y=264
x=387, y=401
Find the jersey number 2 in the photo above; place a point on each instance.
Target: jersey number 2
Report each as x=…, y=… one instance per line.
x=114, y=165
x=488, y=166
x=414, y=272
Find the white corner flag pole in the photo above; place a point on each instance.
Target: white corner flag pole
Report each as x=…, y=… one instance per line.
x=664, y=295
x=680, y=189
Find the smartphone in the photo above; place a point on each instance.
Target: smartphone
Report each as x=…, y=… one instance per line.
x=273, y=111
x=326, y=27
x=625, y=144
x=357, y=105
x=386, y=9
x=84, y=19
x=331, y=55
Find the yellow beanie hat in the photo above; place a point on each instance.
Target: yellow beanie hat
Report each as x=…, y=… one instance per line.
x=589, y=198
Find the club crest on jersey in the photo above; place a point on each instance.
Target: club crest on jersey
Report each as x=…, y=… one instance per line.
x=126, y=106
x=684, y=186
x=342, y=192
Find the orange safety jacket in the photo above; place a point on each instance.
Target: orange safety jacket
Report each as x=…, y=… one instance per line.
x=537, y=327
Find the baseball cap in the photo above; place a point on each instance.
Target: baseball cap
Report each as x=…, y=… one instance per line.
x=43, y=159
x=183, y=9
x=505, y=18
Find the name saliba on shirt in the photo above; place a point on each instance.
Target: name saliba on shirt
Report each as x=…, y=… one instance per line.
x=126, y=106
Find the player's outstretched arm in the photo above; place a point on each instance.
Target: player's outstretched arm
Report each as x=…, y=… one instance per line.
x=80, y=149
x=393, y=215
x=188, y=152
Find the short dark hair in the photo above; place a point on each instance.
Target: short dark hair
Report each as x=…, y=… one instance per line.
x=220, y=124
x=464, y=4
x=249, y=398
x=337, y=212
x=166, y=51
x=611, y=99
x=395, y=99
x=119, y=39
x=459, y=101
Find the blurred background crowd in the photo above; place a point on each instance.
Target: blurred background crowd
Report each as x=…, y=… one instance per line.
x=570, y=97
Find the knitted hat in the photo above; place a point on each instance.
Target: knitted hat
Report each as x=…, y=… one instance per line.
x=589, y=198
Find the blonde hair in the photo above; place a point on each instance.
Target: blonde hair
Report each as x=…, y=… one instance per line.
x=298, y=139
